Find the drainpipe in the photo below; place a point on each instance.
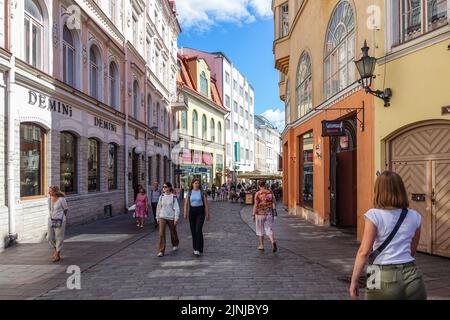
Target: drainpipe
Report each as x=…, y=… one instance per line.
x=125, y=136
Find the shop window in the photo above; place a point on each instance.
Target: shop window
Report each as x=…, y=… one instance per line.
x=68, y=162
x=32, y=160
x=34, y=29
x=112, y=166
x=93, y=165
x=308, y=170
x=212, y=130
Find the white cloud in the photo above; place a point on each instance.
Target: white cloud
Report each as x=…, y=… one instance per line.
x=200, y=15
x=276, y=117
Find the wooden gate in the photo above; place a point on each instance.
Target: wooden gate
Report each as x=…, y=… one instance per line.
x=421, y=155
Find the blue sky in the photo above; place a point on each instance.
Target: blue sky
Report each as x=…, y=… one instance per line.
x=246, y=39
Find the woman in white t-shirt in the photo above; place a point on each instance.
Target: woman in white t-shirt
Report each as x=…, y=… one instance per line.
x=394, y=274
x=56, y=221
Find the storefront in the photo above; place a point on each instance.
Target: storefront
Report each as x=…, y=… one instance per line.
x=196, y=165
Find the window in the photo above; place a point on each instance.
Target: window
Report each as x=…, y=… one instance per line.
x=112, y=10
x=34, y=29
x=251, y=101
x=234, y=85
x=94, y=72
x=149, y=111
x=308, y=170
x=195, y=124
x=158, y=167
x=236, y=127
x=112, y=166
x=68, y=57
x=149, y=51
x=246, y=96
x=284, y=20
x=304, y=86
x=93, y=165
x=136, y=97
x=113, y=85
x=184, y=121
x=241, y=91
x=135, y=32
x=412, y=17
x=212, y=130
x=204, y=129
x=241, y=109
x=340, y=50
x=246, y=115
x=68, y=161
x=219, y=132
x=158, y=119
x=228, y=124
x=32, y=160
x=235, y=106
x=288, y=103
x=227, y=77
x=227, y=101
x=203, y=84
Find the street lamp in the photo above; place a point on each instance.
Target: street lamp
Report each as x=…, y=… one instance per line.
x=366, y=68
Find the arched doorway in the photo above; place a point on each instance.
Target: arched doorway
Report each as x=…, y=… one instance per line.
x=420, y=154
x=343, y=177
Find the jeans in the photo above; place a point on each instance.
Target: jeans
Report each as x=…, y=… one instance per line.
x=196, y=221
x=154, y=205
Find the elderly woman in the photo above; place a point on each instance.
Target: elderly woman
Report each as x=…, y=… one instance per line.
x=57, y=220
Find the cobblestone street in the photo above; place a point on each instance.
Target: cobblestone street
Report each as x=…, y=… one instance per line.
x=119, y=261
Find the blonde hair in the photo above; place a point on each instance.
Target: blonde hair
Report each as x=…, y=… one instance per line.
x=390, y=191
x=57, y=191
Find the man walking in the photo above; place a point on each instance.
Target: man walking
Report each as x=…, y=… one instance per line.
x=155, y=193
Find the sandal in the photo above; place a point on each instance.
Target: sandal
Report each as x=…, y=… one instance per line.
x=261, y=248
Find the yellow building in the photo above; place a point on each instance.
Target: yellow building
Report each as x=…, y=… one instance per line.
x=201, y=128
x=412, y=136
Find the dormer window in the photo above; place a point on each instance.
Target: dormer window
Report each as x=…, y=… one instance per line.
x=203, y=84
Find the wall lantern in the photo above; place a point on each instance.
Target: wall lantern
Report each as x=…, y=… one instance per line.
x=366, y=68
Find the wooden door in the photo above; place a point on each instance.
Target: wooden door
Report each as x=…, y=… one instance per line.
x=441, y=208
x=346, y=188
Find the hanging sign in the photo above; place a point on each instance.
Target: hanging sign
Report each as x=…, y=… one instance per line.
x=333, y=128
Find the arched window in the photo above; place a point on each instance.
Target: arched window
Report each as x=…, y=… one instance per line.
x=339, y=69
x=288, y=102
x=136, y=102
x=68, y=161
x=149, y=111
x=112, y=166
x=184, y=121
x=158, y=119
x=32, y=160
x=34, y=31
x=304, y=85
x=69, y=55
x=219, y=132
x=212, y=130
x=195, y=124
x=94, y=72
x=204, y=128
x=93, y=165
x=203, y=84
x=113, y=85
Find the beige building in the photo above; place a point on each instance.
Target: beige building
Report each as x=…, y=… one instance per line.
x=201, y=127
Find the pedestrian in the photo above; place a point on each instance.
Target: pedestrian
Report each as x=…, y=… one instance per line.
x=168, y=213
x=155, y=193
x=58, y=210
x=393, y=253
x=196, y=206
x=141, y=211
x=213, y=192
x=263, y=210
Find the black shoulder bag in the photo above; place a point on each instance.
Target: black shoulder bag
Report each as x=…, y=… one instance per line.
x=388, y=240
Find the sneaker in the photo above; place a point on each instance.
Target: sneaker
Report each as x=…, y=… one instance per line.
x=175, y=248
x=197, y=253
x=160, y=254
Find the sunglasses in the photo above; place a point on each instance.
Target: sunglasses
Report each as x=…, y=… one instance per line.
x=165, y=186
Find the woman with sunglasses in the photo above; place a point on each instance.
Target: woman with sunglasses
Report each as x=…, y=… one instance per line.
x=167, y=213
x=196, y=205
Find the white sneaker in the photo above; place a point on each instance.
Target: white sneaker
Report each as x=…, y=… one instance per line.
x=175, y=248
x=197, y=253
x=160, y=254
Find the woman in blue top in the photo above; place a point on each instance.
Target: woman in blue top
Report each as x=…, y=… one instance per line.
x=196, y=205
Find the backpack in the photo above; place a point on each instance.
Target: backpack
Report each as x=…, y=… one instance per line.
x=202, y=194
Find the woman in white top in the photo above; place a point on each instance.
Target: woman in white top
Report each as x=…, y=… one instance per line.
x=394, y=274
x=57, y=220
x=167, y=212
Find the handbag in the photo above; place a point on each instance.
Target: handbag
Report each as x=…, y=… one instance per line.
x=57, y=223
x=388, y=240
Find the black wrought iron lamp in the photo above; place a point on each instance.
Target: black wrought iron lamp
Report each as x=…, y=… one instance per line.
x=366, y=68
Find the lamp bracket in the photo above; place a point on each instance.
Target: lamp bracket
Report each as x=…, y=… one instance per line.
x=383, y=95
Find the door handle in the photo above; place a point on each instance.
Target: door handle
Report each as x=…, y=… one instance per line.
x=433, y=197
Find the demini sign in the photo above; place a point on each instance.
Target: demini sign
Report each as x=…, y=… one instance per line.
x=44, y=102
x=104, y=124
x=333, y=128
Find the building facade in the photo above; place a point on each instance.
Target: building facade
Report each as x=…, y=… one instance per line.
x=87, y=105
x=416, y=66
x=201, y=146
x=238, y=96
x=327, y=180
x=268, y=146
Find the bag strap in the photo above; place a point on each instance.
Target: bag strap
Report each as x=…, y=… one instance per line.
x=392, y=235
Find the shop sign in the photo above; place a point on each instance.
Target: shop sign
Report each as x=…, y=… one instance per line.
x=333, y=128
x=45, y=102
x=186, y=156
x=178, y=171
x=105, y=124
x=203, y=170
x=445, y=110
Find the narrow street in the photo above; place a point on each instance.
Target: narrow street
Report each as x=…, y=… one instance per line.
x=118, y=261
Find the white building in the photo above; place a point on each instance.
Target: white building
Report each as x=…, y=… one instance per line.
x=239, y=97
x=269, y=143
